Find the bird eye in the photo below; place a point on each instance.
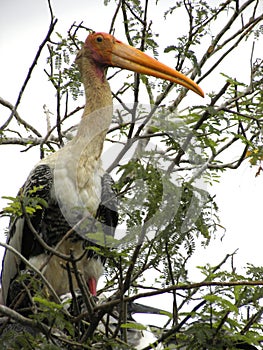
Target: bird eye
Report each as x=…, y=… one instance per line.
x=99, y=39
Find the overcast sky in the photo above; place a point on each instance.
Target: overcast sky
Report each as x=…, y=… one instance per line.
x=23, y=25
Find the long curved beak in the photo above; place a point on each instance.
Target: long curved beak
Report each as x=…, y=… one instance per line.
x=128, y=57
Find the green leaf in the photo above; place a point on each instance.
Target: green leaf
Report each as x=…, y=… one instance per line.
x=102, y=239
x=130, y=325
x=166, y=313
x=47, y=303
x=221, y=301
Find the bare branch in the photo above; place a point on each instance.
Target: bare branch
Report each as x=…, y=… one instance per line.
x=4, y=310
x=17, y=116
x=33, y=65
x=114, y=17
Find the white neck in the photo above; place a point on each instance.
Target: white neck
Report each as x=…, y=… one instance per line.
x=78, y=169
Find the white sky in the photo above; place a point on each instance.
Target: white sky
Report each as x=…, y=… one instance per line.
x=23, y=25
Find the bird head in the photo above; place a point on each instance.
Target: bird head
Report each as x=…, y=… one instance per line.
x=106, y=51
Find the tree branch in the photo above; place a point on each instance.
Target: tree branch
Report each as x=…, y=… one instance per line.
x=33, y=65
x=32, y=267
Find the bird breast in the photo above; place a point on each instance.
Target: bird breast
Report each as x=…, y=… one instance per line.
x=77, y=173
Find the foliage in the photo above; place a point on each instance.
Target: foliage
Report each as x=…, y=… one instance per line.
x=172, y=152
x=29, y=203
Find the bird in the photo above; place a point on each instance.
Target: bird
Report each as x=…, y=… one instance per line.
x=16, y=332
x=74, y=189
x=132, y=337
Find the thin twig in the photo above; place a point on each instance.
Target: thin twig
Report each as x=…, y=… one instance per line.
x=33, y=65
x=32, y=267
x=114, y=17
x=18, y=118
x=4, y=310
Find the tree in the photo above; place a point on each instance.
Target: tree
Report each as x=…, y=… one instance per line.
x=169, y=151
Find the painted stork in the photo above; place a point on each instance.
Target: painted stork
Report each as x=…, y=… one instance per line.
x=109, y=326
x=72, y=181
x=110, y=323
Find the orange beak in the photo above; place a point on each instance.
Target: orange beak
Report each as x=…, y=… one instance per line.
x=105, y=50
x=125, y=56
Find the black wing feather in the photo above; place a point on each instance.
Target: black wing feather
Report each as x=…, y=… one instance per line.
x=49, y=221
x=107, y=212
x=20, y=236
